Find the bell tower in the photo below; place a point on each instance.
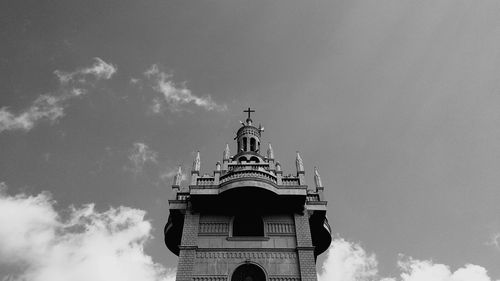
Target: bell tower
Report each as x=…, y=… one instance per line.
x=246, y=221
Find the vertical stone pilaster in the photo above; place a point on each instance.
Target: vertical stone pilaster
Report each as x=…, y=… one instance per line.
x=185, y=265
x=305, y=249
x=188, y=246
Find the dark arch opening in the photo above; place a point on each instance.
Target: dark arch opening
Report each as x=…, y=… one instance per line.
x=255, y=159
x=245, y=145
x=242, y=159
x=248, y=225
x=248, y=272
x=252, y=144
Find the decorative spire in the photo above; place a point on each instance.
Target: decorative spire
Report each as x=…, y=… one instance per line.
x=227, y=153
x=270, y=152
x=217, y=166
x=196, y=162
x=317, y=178
x=178, y=177
x=299, y=164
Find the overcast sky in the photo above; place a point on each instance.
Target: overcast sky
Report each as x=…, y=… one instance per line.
x=395, y=101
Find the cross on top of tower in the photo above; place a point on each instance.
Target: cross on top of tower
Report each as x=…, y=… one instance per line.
x=249, y=111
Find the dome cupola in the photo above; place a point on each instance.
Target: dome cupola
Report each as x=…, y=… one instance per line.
x=248, y=136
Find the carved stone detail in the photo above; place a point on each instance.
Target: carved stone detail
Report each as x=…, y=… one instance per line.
x=246, y=255
x=214, y=227
x=210, y=278
x=280, y=228
x=284, y=278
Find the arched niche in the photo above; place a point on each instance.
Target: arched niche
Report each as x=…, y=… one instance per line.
x=248, y=272
x=254, y=159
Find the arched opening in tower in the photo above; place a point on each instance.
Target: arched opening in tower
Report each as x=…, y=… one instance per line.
x=245, y=145
x=248, y=272
x=252, y=144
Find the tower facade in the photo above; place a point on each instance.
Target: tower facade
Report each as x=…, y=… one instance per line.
x=246, y=221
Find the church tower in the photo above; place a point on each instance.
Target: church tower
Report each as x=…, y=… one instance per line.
x=247, y=221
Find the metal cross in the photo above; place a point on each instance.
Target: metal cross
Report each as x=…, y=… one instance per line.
x=249, y=111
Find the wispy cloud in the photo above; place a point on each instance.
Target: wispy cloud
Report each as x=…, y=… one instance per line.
x=139, y=156
x=347, y=261
x=50, y=107
x=44, y=108
x=41, y=245
x=168, y=174
x=99, y=70
x=494, y=241
x=174, y=95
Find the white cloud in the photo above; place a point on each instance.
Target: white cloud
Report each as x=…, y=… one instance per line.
x=348, y=261
x=140, y=155
x=50, y=107
x=416, y=270
x=45, y=107
x=38, y=244
x=99, y=70
x=174, y=96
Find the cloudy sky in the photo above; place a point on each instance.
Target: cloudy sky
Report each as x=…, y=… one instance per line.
x=396, y=101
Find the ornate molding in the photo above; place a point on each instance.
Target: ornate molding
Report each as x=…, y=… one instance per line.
x=210, y=278
x=280, y=228
x=246, y=255
x=284, y=278
x=214, y=228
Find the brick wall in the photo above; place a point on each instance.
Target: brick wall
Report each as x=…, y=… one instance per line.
x=188, y=246
x=305, y=250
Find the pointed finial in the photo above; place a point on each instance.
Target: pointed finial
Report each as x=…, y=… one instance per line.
x=298, y=163
x=270, y=152
x=196, y=162
x=178, y=177
x=227, y=153
x=317, y=178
